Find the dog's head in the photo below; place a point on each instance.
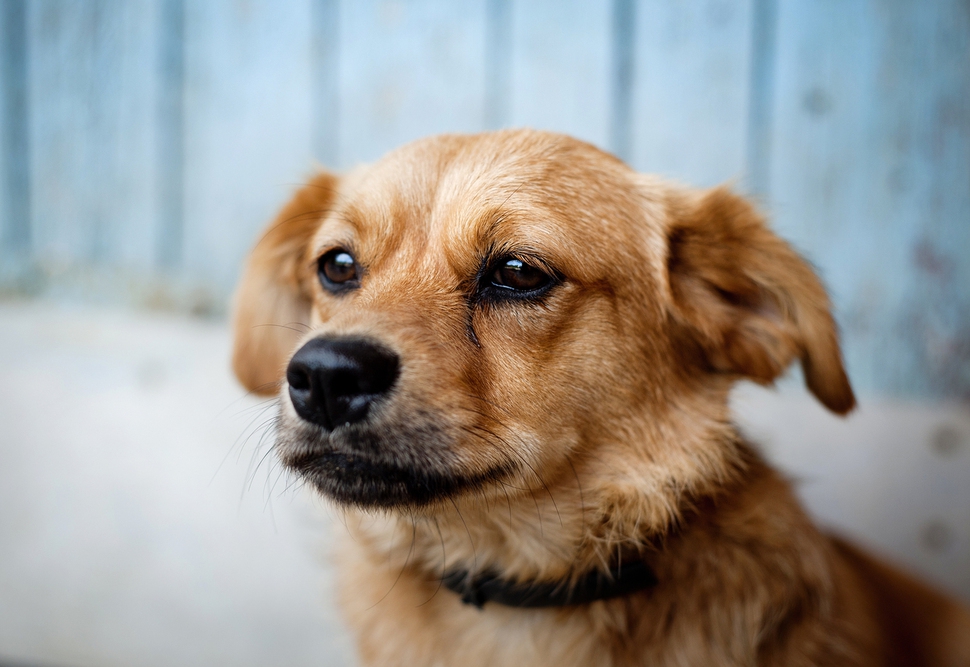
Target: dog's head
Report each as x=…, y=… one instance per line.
x=473, y=309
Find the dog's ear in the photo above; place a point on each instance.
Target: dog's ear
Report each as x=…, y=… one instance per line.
x=748, y=302
x=271, y=301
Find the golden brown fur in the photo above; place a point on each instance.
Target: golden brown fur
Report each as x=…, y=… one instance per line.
x=603, y=406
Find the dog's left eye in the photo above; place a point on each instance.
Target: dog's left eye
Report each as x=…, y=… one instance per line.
x=338, y=270
x=515, y=275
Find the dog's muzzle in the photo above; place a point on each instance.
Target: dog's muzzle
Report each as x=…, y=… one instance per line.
x=335, y=381
x=354, y=455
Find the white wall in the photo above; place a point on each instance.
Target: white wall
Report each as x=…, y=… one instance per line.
x=143, y=520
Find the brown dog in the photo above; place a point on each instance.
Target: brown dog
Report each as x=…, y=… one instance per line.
x=514, y=379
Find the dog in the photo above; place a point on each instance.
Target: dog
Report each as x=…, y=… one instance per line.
x=506, y=358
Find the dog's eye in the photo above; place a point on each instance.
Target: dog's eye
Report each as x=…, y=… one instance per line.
x=338, y=270
x=514, y=274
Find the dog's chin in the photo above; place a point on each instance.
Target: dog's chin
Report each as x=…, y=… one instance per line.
x=404, y=464
x=359, y=480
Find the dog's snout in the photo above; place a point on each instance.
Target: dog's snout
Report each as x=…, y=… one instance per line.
x=334, y=381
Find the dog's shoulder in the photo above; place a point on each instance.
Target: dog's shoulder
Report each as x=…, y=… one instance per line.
x=749, y=567
x=920, y=625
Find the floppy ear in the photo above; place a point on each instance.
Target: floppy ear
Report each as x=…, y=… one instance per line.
x=750, y=303
x=270, y=301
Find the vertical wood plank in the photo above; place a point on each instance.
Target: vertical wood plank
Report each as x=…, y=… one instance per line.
x=170, y=133
x=621, y=94
x=872, y=165
x=325, y=70
x=764, y=26
x=407, y=70
x=691, y=82
x=498, y=62
x=562, y=67
x=90, y=95
x=248, y=127
x=14, y=146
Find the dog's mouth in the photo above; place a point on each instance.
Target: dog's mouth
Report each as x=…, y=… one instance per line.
x=390, y=461
x=358, y=479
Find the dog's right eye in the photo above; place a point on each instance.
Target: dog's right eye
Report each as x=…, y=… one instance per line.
x=513, y=278
x=338, y=270
x=514, y=274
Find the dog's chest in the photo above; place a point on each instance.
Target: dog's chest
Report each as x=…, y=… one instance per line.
x=400, y=618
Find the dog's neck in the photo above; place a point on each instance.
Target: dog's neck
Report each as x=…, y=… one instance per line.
x=564, y=525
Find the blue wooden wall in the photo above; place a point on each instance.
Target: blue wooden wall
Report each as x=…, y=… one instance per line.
x=144, y=142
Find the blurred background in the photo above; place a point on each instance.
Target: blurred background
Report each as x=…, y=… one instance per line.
x=143, y=143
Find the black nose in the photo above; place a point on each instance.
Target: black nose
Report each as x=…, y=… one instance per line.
x=334, y=381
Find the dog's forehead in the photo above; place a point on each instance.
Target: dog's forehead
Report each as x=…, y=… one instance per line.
x=455, y=199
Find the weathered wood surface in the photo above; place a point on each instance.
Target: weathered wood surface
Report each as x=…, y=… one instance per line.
x=248, y=126
x=560, y=62
x=144, y=142
x=870, y=173
x=690, y=89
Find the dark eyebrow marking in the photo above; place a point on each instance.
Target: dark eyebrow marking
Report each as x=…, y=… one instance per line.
x=470, y=327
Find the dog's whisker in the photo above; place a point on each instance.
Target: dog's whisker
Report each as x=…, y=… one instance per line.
x=444, y=563
x=267, y=430
x=263, y=458
x=467, y=532
x=509, y=448
x=255, y=391
x=538, y=513
x=248, y=394
x=489, y=403
x=291, y=484
x=247, y=433
x=534, y=472
x=239, y=441
x=579, y=487
x=268, y=504
x=407, y=559
x=263, y=428
x=279, y=474
x=508, y=500
x=513, y=455
x=521, y=459
x=281, y=326
x=260, y=406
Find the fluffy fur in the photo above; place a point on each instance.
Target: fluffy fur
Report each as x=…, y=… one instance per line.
x=579, y=429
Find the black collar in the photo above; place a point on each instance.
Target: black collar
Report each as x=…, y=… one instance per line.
x=623, y=580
